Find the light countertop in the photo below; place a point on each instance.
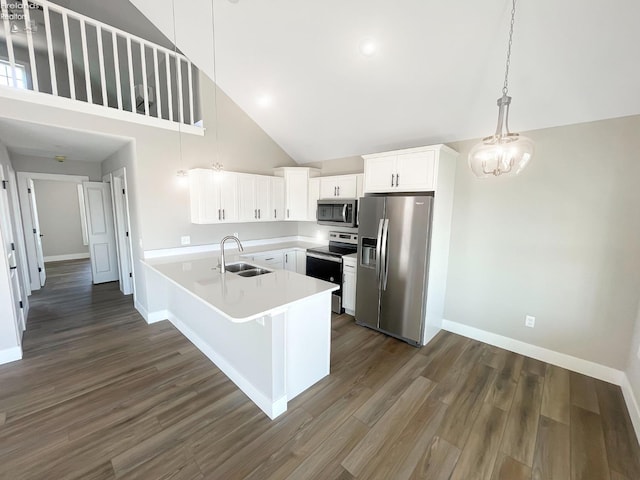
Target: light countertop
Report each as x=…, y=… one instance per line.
x=240, y=299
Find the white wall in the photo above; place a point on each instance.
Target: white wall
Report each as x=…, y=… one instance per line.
x=29, y=163
x=559, y=241
x=633, y=365
x=59, y=216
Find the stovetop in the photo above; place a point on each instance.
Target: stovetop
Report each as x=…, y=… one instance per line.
x=336, y=250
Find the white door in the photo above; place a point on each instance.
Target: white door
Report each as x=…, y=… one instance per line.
x=102, y=236
x=263, y=197
x=415, y=172
x=121, y=212
x=36, y=231
x=328, y=187
x=347, y=186
x=312, y=199
x=277, y=198
x=229, y=196
x=290, y=261
x=297, y=189
x=247, y=211
x=9, y=250
x=380, y=174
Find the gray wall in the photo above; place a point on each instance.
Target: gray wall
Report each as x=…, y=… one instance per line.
x=339, y=166
x=559, y=241
x=26, y=163
x=59, y=216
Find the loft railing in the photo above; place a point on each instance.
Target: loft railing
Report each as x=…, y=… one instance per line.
x=48, y=48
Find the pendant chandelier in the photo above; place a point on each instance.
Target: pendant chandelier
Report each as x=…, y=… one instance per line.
x=504, y=152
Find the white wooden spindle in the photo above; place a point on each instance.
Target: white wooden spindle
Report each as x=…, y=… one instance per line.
x=145, y=95
x=32, y=54
x=116, y=68
x=52, y=63
x=103, y=76
x=180, y=97
x=191, y=114
x=85, y=60
x=131, y=84
x=167, y=62
x=157, y=79
x=9, y=40
x=67, y=44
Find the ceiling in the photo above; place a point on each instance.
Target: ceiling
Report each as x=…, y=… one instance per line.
x=48, y=141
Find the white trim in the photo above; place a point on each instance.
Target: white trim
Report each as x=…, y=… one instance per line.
x=69, y=256
x=49, y=100
x=141, y=310
x=10, y=355
x=158, y=316
x=215, y=247
x=271, y=408
x=586, y=367
x=632, y=405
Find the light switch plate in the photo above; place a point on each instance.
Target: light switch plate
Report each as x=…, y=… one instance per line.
x=529, y=321
x=185, y=240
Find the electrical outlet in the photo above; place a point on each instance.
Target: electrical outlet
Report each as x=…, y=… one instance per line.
x=529, y=321
x=185, y=240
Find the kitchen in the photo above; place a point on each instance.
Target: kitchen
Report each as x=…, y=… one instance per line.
x=522, y=247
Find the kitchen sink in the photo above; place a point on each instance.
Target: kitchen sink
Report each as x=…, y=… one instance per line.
x=254, y=272
x=239, y=267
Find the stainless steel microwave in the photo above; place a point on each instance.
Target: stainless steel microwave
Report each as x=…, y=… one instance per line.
x=338, y=213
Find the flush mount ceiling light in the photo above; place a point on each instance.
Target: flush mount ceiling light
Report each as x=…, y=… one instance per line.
x=367, y=47
x=503, y=153
x=217, y=167
x=264, y=101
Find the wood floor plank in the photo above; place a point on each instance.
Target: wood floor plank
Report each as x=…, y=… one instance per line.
x=506, y=468
x=583, y=392
x=623, y=451
x=437, y=462
x=552, y=458
x=100, y=394
x=519, y=438
x=480, y=451
x=588, y=453
x=389, y=427
x=555, y=396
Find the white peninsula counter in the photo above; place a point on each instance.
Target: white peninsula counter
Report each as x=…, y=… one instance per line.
x=270, y=334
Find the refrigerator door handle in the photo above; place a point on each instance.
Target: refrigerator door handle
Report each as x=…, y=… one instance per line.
x=378, y=249
x=385, y=257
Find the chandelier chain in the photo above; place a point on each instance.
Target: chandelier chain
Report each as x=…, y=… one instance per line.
x=505, y=87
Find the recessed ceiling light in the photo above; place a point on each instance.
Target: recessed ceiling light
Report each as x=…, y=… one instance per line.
x=264, y=101
x=367, y=47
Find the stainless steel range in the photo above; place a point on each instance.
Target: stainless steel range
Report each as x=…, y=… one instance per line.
x=325, y=263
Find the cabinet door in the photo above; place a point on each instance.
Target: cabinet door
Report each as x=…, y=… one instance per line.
x=328, y=187
x=263, y=198
x=301, y=262
x=270, y=259
x=359, y=185
x=349, y=289
x=247, y=211
x=314, y=196
x=379, y=174
x=228, y=185
x=277, y=199
x=296, y=191
x=415, y=172
x=290, y=261
x=204, y=195
x=346, y=186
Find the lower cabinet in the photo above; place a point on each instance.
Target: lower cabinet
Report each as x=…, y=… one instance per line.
x=349, y=277
x=290, y=261
x=294, y=260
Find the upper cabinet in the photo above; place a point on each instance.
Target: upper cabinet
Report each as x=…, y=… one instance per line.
x=254, y=198
x=214, y=196
x=340, y=186
x=296, y=191
x=410, y=170
x=277, y=198
x=314, y=196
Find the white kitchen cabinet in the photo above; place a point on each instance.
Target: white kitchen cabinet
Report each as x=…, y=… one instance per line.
x=296, y=191
x=301, y=262
x=277, y=199
x=254, y=198
x=290, y=261
x=269, y=259
x=349, y=278
x=410, y=170
x=339, y=186
x=213, y=195
x=314, y=196
x=359, y=185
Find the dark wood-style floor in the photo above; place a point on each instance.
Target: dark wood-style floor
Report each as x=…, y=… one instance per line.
x=101, y=395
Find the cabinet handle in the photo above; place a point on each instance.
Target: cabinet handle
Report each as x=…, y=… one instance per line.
x=219, y=215
x=338, y=190
x=286, y=258
x=255, y=213
x=267, y=259
x=392, y=178
x=275, y=213
x=223, y=213
x=258, y=213
x=397, y=179
x=287, y=213
x=335, y=191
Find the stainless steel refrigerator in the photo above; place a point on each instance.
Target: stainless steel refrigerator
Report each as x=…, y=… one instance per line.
x=394, y=235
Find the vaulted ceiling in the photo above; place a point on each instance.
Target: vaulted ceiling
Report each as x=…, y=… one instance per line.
x=297, y=69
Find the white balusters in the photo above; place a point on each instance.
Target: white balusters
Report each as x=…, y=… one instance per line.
x=169, y=92
x=116, y=66
x=145, y=94
x=180, y=99
x=192, y=120
x=103, y=77
x=85, y=60
x=10, y=53
x=157, y=84
x=67, y=44
x=52, y=63
x=132, y=87
x=28, y=26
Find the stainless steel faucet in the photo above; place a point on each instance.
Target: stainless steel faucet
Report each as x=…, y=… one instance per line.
x=223, y=265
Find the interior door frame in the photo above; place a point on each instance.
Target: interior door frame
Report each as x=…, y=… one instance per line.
x=23, y=194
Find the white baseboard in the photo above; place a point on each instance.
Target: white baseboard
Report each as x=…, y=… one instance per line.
x=563, y=360
x=10, y=355
x=70, y=256
x=158, y=316
x=143, y=311
x=271, y=408
x=632, y=405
